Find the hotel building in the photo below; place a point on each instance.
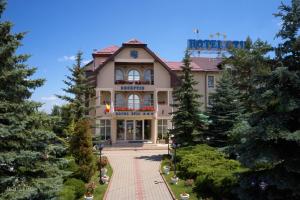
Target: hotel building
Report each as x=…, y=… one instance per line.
x=134, y=91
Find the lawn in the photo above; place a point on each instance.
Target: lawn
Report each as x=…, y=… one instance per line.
x=180, y=187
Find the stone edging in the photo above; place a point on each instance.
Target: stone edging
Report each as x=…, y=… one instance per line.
x=109, y=183
x=170, y=191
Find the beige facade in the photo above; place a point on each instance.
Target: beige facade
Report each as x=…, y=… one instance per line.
x=134, y=92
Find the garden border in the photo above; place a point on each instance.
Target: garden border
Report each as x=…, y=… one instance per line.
x=109, y=183
x=161, y=174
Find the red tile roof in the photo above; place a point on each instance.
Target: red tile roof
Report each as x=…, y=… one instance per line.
x=134, y=41
x=107, y=50
x=197, y=64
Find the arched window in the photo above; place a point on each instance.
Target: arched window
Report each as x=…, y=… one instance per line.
x=148, y=75
x=148, y=99
x=120, y=101
x=134, y=101
x=119, y=75
x=133, y=75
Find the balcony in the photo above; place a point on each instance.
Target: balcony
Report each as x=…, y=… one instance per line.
x=134, y=75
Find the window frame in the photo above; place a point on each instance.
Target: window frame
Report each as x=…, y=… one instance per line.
x=106, y=126
x=209, y=83
x=163, y=127
x=134, y=103
x=134, y=75
x=116, y=75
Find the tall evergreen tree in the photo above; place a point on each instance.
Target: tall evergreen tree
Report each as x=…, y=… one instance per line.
x=270, y=144
x=189, y=122
x=30, y=154
x=78, y=89
x=224, y=110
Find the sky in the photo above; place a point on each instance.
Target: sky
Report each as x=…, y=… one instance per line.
x=57, y=29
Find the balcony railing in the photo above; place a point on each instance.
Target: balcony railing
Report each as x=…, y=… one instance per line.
x=141, y=82
x=135, y=107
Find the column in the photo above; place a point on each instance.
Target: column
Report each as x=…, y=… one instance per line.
x=154, y=130
x=113, y=131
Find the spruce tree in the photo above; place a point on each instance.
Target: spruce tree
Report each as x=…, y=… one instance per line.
x=270, y=145
x=78, y=89
x=224, y=110
x=30, y=153
x=188, y=120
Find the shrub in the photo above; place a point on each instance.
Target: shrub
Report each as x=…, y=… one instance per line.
x=67, y=193
x=215, y=175
x=103, y=162
x=78, y=185
x=189, y=182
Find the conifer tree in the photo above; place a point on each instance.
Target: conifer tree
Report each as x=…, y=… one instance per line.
x=224, y=110
x=270, y=145
x=78, y=89
x=30, y=153
x=189, y=122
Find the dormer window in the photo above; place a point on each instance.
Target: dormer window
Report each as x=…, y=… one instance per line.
x=134, y=75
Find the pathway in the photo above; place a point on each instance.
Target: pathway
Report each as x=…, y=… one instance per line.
x=136, y=175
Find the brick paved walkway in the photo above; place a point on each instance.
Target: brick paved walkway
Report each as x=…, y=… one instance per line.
x=136, y=176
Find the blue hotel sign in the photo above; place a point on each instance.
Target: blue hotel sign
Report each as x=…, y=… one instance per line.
x=132, y=87
x=214, y=44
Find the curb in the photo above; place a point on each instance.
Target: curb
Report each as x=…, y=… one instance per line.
x=110, y=181
x=161, y=174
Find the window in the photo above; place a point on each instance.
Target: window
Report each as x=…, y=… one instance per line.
x=134, y=101
x=133, y=75
x=148, y=76
x=105, y=129
x=210, y=81
x=148, y=100
x=120, y=101
x=209, y=101
x=119, y=75
x=162, y=128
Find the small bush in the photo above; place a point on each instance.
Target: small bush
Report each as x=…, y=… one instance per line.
x=215, y=175
x=79, y=186
x=67, y=193
x=102, y=163
x=189, y=182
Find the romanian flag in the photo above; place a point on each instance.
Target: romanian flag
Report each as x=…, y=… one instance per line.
x=107, y=108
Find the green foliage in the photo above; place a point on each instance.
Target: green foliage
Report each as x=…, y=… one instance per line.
x=67, y=193
x=224, y=111
x=79, y=89
x=215, y=174
x=189, y=122
x=30, y=153
x=78, y=185
x=268, y=140
x=81, y=149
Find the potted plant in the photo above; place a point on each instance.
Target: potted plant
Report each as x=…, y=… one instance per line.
x=166, y=169
x=90, y=188
x=174, y=179
x=105, y=179
x=184, y=196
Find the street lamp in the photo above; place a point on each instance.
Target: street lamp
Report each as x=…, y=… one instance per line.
x=100, y=150
x=175, y=146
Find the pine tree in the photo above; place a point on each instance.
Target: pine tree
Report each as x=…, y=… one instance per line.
x=30, y=154
x=81, y=149
x=189, y=122
x=78, y=89
x=270, y=144
x=224, y=110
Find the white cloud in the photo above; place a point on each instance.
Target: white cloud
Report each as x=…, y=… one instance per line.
x=66, y=58
x=86, y=62
x=49, y=98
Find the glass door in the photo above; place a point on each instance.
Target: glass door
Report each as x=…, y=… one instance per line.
x=129, y=130
x=120, y=129
x=138, y=129
x=147, y=129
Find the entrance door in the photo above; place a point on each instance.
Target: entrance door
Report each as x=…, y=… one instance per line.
x=120, y=129
x=138, y=129
x=130, y=130
x=147, y=129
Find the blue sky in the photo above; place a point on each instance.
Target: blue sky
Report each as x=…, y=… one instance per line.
x=57, y=29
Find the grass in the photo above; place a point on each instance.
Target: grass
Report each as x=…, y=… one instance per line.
x=180, y=186
x=100, y=189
